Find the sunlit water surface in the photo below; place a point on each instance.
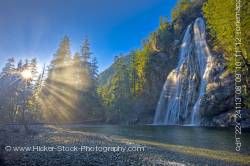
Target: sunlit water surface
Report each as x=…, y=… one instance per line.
x=210, y=138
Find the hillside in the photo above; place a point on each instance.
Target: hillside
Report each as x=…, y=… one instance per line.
x=130, y=90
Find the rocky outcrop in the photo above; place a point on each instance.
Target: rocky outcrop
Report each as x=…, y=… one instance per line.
x=219, y=97
x=217, y=106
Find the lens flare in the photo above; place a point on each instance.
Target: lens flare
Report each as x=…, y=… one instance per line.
x=26, y=74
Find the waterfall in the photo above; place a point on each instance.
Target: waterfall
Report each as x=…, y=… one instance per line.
x=206, y=65
x=185, y=86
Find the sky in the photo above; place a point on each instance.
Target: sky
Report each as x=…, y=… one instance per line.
x=34, y=28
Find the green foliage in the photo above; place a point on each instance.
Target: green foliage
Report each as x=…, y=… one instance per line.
x=184, y=13
x=19, y=94
x=132, y=85
x=140, y=66
x=221, y=20
x=116, y=94
x=181, y=8
x=162, y=40
x=245, y=26
x=70, y=92
x=221, y=23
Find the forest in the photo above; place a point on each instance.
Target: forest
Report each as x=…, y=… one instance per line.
x=181, y=97
x=71, y=90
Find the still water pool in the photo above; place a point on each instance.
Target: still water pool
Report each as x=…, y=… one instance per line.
x=201, y=137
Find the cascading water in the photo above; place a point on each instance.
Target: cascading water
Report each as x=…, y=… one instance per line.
x=185, y=86
x=203, y=51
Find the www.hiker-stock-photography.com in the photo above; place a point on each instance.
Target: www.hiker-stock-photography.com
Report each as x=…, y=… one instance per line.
x=124, y=83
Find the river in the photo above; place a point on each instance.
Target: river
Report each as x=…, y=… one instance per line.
x=200, y=137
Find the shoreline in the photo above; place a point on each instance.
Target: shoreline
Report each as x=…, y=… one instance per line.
x=154, y=154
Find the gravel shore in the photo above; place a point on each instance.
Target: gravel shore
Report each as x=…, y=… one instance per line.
x=59, y=147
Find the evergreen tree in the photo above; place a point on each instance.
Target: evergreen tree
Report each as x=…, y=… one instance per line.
x=94, y=72
x=89, y=99
x=9, y=67
x=8, y=91
x=33, y=68
x=20, y=66
x=77, y=73
x=60, y=61
x=85, y=51
x=17, y=90
x=59, y=87
x=86, y=64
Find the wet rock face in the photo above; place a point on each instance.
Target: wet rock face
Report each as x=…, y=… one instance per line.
x=227, y=119
x=219, y=97
x=217, y=106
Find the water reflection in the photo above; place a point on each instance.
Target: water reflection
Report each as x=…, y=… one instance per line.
x=210, y=138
